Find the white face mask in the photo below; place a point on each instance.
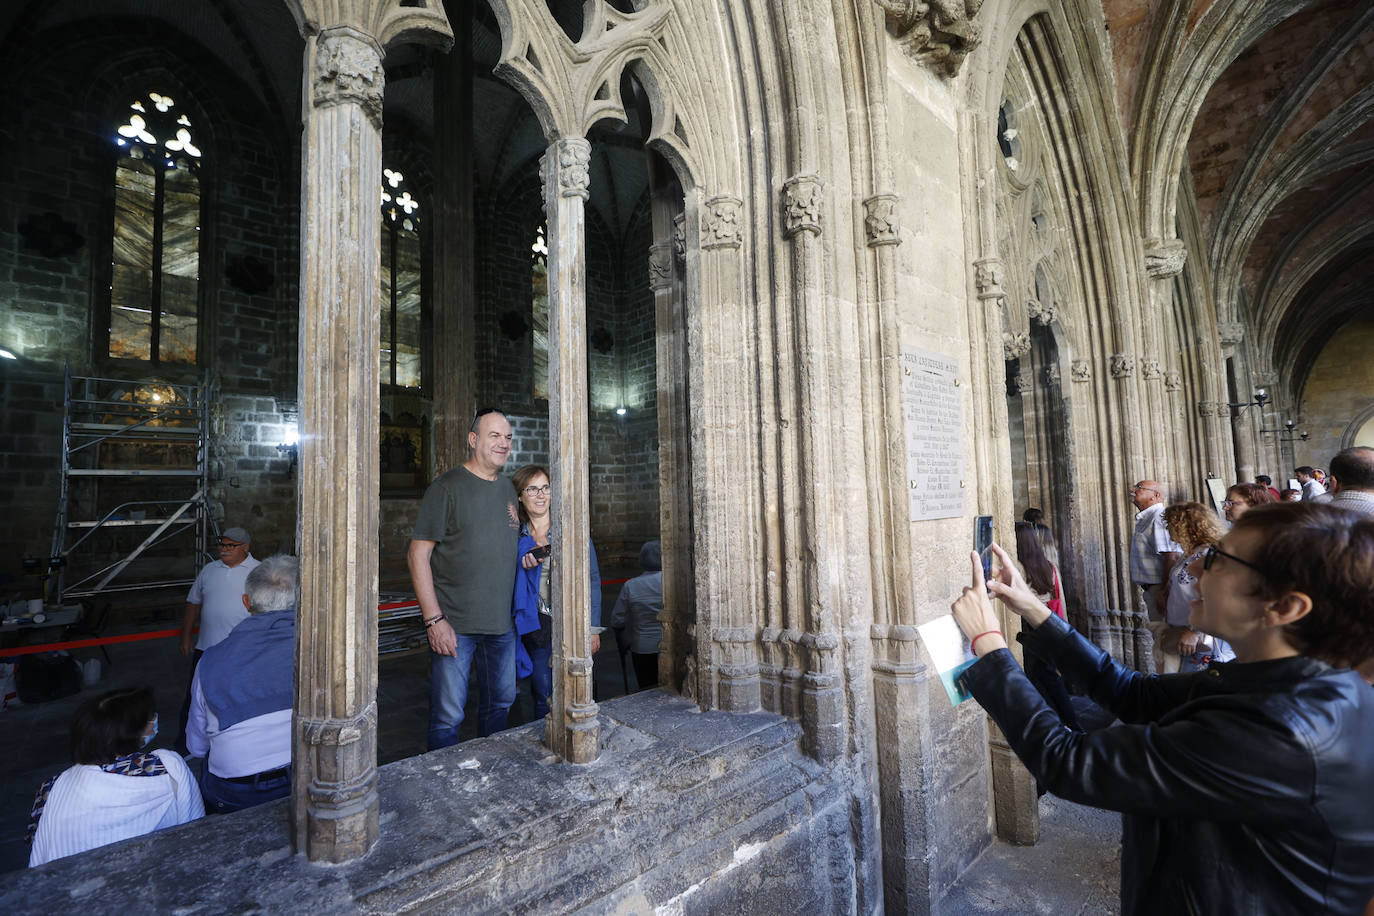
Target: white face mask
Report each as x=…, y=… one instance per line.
x=152, y=734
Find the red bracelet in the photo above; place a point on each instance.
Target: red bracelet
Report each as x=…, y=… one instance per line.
x=975, y=639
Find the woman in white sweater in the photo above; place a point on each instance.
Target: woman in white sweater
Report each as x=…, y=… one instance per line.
x=115, y=790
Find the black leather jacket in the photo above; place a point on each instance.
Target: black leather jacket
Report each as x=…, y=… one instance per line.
x=1246, y=788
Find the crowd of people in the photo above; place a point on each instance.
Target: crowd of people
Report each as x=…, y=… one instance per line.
x=482, y=563
x=1242, y=767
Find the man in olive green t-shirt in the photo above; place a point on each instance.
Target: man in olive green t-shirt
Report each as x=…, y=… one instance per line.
x=462, y=564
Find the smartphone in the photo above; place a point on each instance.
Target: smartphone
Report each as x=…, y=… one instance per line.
x=982, y=542
x=541, y=553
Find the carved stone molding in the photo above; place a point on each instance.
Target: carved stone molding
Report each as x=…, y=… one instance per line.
x=348, y=70
x=1081, y=370
x=680, y=239
x=1122, y=365
x=938, y=33
x=1265, y=379
x=1231, y=332
x=1164, y=258
x=1022, y=382
x=881, y=225
x=1206, y=409
x=721, y=220
x=1150, y=370
x=987, y=274
x=1173, y=381
x=660, y=267
x=1040, y=312
x=571, y=157
x=1015, y=346
x=1052, y=376
x=896, y=651
x=801, y=205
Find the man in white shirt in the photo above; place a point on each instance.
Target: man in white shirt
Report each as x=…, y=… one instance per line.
x=1311, y=486
x=216, y=602
x=242, y=695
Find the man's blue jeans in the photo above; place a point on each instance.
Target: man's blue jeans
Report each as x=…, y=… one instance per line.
x=222, y=796
x=493, y=660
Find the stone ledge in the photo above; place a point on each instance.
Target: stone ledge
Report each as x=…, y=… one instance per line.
x=683, y=808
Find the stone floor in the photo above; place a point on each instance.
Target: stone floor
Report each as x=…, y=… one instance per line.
x=1073, y=870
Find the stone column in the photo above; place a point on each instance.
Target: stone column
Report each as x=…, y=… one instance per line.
x=454, y=379
x=572, y=727
x=334, y=756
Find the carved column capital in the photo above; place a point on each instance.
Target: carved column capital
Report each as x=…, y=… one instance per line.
x=1052, y=376
x=1015, y=346
x=1022, y=382
x=1206, y=409
x=987, y=274
x=570, y=158
x=896, y=650
x=1231, y=332
x=348, y=70
x=1173, y=381
x=801, y=205
x=1150, y=369
x=1081, y=370
x=881, y=225
x=1122, y=365
x=1164, y=258
x=721, y=222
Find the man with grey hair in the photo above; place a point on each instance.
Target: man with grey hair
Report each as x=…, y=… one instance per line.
x=242, y=695
x=1152, y=555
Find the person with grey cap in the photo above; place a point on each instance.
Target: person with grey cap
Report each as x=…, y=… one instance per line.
x=216, y=603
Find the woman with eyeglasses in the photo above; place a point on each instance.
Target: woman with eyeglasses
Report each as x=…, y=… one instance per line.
x=1243, y=497
x=115, y=789
x=532, y=603
x=1244, y=788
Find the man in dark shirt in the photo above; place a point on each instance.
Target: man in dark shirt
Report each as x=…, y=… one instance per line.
x=462, y=564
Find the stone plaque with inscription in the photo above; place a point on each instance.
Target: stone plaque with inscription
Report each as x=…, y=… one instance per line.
x=932, y=407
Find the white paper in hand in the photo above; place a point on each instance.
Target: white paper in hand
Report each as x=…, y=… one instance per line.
x=949, y=653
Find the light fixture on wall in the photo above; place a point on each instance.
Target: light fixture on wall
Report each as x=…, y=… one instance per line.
x=6, y=354
x=1261, y=398
x=621, y=411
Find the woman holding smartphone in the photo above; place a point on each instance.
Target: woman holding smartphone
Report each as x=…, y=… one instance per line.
x=1244, y=788
x=532, y=603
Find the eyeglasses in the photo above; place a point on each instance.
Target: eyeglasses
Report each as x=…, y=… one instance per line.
x=1134, y=490
x=536, y=491
x=227, y=545
x=482, y=412
x=1231, y=503
x=1214, y=551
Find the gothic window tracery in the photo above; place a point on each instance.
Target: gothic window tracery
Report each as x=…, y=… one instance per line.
x=402, y=277
x=154, y=288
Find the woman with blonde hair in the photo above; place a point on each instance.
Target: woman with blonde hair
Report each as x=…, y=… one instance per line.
x=1195, y=528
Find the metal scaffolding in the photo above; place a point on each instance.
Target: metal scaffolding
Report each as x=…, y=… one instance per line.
x=133, y=511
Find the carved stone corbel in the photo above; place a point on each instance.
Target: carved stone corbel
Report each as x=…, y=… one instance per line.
x=1122, y=365
x=1081, y=370
x=1041, y=312
x=1015, y=346
x=348, y=68
x=1164, y=258
x=1150, y=370
x=801, y=205
x=938, y=33
x=1173, y=381
x=721, y=222
x=880, y=220
x=987, y=275
x=1231, y=332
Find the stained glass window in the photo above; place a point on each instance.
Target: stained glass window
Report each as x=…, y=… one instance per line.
x=401, y=278
x=155, y=256
x=539, y=283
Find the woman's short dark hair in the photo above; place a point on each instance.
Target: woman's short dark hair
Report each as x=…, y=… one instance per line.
x=111, y=725
x=521, y=479
x=1327, y=553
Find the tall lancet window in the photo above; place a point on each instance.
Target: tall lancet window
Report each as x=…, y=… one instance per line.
x=155, y=258
x=401, y=283
x=539, y=290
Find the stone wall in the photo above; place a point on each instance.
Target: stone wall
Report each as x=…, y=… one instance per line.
x=1339, y=393
x=684, y=812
